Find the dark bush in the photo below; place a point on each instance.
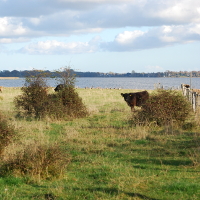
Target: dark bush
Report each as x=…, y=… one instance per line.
x=35, y=100
x=164, y=107
x=66, y=104
x=34, y=97
x=7, y=133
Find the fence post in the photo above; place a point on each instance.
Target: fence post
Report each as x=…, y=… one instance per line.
x=194, y=101
x=192, y=97
x=187, y=91
x=182, y=89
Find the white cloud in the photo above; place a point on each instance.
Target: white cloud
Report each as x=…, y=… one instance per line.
x=169, y=22
x=56, y=47
x=195, y=29
x=65, y=17
x=181, y=11
x=154, y=38
x=13, y=40
x=128, y=36
x=11, y=27
x=125, y=41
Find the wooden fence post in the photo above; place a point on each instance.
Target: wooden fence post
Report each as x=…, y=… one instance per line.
x=191, y=96
x=194, y=101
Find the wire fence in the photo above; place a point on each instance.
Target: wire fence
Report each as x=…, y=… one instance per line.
x=193, y=96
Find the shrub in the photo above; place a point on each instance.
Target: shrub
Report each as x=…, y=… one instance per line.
x=37, y=162
x=34, y=96
x=7, y=132
x=67, y=104
x=164, y=107
x=35, y=101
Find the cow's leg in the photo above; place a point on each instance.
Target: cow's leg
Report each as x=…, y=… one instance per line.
x=133, y=104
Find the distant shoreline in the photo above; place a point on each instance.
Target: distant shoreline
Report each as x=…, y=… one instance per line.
x=113, y=82
x=9, y=77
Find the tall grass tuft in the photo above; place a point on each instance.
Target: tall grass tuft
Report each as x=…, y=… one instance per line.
x=37, y=162
x=7, y=133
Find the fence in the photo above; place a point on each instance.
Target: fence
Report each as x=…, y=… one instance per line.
x=193, y=95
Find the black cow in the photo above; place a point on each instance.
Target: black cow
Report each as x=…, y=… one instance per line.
x=135, y=99
x=59, y=87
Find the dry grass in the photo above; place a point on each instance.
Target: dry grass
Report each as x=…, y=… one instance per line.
x=6, y=99
x=110, y=158
x=9, y=77
x=97, y=101
x=106, y=100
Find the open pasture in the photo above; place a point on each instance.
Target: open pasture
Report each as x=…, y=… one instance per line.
x=109, y=158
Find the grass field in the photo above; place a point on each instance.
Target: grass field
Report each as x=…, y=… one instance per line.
x=109, y=158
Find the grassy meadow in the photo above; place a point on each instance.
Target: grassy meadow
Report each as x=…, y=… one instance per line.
x=109, y=158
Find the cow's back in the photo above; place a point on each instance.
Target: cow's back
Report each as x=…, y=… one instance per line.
x=141, y=97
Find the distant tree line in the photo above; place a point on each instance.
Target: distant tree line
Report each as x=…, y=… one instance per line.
x=21, y=74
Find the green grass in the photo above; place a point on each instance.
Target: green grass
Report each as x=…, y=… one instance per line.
x=110, y=159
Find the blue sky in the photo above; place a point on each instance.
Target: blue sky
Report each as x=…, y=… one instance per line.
x=100, y=35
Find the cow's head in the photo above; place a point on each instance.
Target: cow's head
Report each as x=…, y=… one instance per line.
x=127, y=96
x=59, y=87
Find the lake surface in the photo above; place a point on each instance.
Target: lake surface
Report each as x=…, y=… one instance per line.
x=123, y=83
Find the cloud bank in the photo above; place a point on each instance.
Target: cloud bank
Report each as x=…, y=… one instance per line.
x=167, y=23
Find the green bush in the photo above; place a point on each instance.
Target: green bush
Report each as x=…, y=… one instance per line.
x=164, y=107
x=7, y=132
x=34, y=96
x=33, y=101
x=66, y=104
x=37, y=162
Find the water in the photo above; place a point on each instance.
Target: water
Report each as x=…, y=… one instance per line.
x=124, y=83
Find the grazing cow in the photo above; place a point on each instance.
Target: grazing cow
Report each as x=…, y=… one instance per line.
x=59, y=87
x=135, y=99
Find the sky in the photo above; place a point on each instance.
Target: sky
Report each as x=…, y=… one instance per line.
x=100, y=35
